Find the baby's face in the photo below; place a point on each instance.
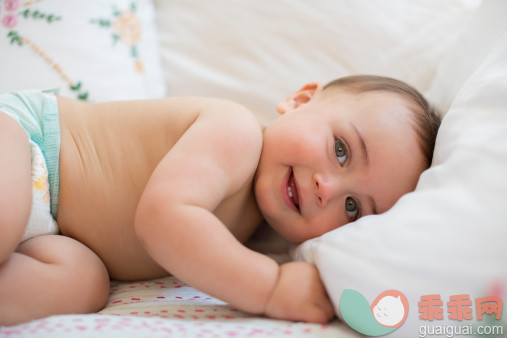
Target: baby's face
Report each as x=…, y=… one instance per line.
x=334, y=159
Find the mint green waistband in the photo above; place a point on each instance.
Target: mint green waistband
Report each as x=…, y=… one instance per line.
x=51, y=150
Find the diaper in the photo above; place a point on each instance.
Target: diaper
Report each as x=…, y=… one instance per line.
x=41, y=222
x=37, y=113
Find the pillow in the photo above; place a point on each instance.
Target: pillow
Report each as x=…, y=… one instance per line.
x=448, y=237
x=258, y=52
x=93, y=50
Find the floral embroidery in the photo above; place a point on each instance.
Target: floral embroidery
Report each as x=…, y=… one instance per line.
x=10, y=20
x=126, y=28
x=11, y=5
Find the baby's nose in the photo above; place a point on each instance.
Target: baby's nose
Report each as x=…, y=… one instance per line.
x=325, y=188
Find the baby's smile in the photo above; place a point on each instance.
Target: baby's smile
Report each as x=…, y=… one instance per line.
x=290, y=192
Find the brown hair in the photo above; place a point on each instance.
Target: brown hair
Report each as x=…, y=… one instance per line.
x=426, y=120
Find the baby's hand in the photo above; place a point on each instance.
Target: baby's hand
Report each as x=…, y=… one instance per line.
x=299, y=295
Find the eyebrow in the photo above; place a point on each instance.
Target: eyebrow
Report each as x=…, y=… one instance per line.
x=364, y=149
x=364, y=154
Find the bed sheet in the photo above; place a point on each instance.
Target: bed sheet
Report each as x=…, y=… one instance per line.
x=166, y=307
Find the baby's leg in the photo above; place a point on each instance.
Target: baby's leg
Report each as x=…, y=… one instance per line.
x=49, y=275
x=15, y=185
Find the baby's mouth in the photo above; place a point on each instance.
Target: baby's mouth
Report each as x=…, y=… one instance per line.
x=292, y=190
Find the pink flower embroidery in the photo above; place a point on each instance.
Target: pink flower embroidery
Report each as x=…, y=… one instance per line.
x=11, y=5
x=10, y=21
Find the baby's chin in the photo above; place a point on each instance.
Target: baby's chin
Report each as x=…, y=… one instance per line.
x=289, y=234
x=281, y=226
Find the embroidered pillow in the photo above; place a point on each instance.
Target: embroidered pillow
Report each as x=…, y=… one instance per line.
x=92, y=50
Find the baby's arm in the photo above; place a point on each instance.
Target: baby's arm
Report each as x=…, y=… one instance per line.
x=299, y=295
x=175, y=220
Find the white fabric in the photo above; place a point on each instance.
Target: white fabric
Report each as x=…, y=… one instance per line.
x=109, y=47
x=41, y=222
x=449, y=236
x=258, y=52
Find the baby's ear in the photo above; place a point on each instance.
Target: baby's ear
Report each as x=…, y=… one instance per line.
x=300, y=97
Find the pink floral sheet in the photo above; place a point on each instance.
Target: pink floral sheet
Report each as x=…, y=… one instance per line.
x=168, y=308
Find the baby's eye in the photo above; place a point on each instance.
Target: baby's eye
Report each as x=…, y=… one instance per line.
x=341, y=152
x=352, y=208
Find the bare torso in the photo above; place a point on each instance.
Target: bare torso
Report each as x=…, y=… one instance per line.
x=108, y=153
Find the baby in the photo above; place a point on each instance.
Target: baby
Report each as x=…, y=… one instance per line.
x=140, y=189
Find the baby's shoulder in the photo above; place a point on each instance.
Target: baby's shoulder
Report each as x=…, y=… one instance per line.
x=224, y=118
x=235, y=130
x=232, y=134
x=235, y=123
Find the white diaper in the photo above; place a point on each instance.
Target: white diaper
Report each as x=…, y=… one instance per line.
x=41, y=222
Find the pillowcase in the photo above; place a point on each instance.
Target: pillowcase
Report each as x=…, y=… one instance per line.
x=448, y=238
x=92, y=50
x=258, y=52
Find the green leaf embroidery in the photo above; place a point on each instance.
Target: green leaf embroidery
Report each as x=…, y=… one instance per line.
x=105, y=23
x=25, y=13
x=83, y=96
x=38, y=15
x=116, y=38
x=76, y=86
x=116, y=12
x=133, y=52
x=15, y=38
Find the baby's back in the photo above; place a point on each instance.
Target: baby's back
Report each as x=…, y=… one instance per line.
x=108, y=152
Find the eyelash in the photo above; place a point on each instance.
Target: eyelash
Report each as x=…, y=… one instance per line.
x=347, y=151
x=358, y=208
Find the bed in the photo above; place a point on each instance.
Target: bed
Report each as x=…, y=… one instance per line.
x=446, y=239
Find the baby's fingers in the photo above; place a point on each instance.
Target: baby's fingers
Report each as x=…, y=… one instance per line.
x=319, y=314
x=328, y=310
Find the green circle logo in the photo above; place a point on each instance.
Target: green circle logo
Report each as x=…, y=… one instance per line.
x=387, y=312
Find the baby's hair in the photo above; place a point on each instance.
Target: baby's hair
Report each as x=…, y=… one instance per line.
x=426, y=120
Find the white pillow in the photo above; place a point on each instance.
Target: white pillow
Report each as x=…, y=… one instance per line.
x=449, y=236
x=258, y=52
x=109, y=49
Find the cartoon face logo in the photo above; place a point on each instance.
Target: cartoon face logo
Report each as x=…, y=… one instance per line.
x=387, y=312
x=388, y=308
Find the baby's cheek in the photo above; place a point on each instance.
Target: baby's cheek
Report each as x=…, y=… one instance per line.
x=324, y=224
x=310, y=146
